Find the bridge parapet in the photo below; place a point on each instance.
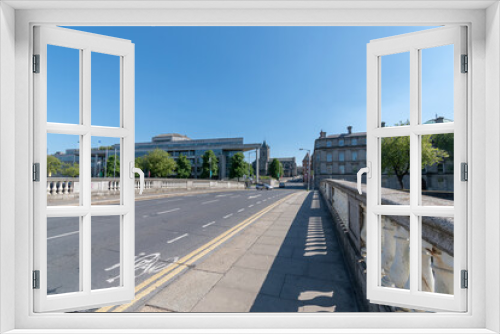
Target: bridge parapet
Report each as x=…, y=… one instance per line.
x=348, y=208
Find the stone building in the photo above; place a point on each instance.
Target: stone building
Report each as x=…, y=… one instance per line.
x=265, y=159
x=339, y=156
x=305, y=168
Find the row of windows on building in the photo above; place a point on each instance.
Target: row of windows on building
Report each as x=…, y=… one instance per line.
x=340, y=142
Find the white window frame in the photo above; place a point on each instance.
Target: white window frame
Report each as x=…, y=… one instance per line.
x=414, y=43
x=484, y=48
x=86, y=44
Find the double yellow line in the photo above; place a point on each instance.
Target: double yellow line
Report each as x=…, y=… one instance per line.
x=157, y=280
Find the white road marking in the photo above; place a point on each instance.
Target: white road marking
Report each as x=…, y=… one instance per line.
x=223, y=195
x=259, y=202
x=227, y=216
x=241, y=210
x=175, y=239
x=145, y=216
x=250, y=205
x=264, y=200
x=63, y=235
x=206, y=225
x=215, y=200
x=250, y=197
x=162, y=212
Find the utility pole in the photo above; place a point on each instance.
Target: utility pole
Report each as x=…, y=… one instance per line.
x=257, y=167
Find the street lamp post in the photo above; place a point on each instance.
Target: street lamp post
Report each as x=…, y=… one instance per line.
x=308, y=166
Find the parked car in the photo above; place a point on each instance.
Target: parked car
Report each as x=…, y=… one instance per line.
x=282, y=184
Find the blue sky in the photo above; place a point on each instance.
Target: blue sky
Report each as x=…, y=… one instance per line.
x=281, y=84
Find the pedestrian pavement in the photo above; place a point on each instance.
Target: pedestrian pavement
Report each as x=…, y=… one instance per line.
x=289, y=260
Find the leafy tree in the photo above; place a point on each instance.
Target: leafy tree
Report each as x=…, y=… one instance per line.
x=444, y=141
x=276, y=169
x=104, y=148
x=53, y=165
x=158, y=163
x=183, y=167
x=210, y=163
x=139, y=163
x=110, y=166
x=249, y=168
x=238, y=168
x=396, y=155
x=70, y=170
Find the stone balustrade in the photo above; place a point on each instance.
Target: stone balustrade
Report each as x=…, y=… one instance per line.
x=60, y=188
x=348, y=208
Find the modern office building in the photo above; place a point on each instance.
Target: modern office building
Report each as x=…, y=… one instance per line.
x=175, y=144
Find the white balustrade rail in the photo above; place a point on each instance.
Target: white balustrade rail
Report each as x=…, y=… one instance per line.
x=349, y=210
x=61, y=188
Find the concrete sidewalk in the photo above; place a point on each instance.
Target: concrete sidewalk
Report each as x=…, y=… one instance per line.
x=289, y=260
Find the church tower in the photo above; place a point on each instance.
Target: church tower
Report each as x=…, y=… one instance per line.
x=265, y=155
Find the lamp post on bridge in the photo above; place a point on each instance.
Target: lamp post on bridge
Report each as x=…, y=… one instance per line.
x=308, y=166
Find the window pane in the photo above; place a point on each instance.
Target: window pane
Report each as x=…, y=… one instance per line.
x=437, y=84
x=63, y=255
x=395, y=89
x=63, y=169
x=437, y=169
x=105, y=90
x=106, y=252
x=63, y=85
x=395, y=169
x=105, y=163
x=395, y=249
x=437, y=257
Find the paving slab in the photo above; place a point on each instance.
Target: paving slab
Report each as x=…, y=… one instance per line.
x=222, y=260
x=253, y=280
x=222, y=299
x=182, y=295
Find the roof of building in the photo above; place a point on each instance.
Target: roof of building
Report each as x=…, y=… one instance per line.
x=355, y=134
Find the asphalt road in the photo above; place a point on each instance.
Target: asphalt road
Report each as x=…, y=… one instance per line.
x=166, y=230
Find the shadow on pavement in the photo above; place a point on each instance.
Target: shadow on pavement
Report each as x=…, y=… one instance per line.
x=308, y=273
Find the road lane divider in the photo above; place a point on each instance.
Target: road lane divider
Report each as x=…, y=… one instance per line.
x=154, y=282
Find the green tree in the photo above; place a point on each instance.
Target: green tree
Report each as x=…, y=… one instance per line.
x=53, y=165
x=396, y=155
x=238, y=168
x=276, y=169
x=110, y=166
x=210, y=164
x=183, y=167
x=70, y=170
x=444, y=141
x=158, y=163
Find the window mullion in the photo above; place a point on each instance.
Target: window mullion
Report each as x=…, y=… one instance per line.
x=414, y=170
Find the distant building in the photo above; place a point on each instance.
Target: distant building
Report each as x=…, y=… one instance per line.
x=265, y=160
x=305, y=168
x=176, y=145
x=289, y=166
x=339, y=156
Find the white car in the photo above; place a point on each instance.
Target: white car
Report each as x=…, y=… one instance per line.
x=262, y=186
